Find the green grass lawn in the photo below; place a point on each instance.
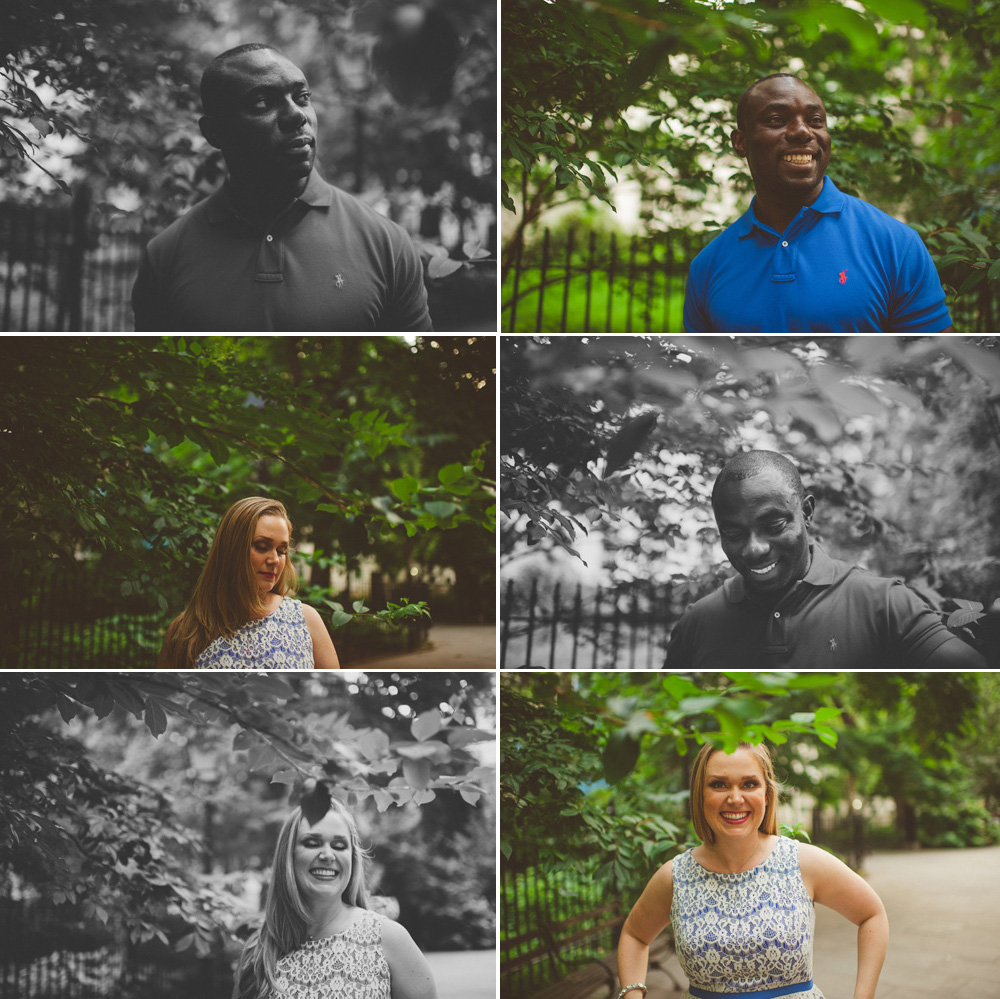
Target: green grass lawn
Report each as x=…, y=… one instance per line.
x=645, y=304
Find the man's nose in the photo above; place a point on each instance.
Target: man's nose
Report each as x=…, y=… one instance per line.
x=798, y=128
x=756, y=547
x=292, y=117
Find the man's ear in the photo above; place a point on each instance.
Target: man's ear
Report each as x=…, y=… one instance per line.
x=739, y=145
x=808, y=507
x=211, y=129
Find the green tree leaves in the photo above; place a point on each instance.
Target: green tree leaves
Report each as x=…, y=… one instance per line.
x=116, y=846
x=130, y=449
x=590, y=762
x=597, y=99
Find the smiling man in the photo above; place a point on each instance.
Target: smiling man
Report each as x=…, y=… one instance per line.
x=791, y=606
x=805, y=257
x=276, y=248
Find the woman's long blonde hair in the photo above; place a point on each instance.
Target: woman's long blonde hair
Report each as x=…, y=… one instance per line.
x=768, y=824
x=286, y=918
x=227, y=595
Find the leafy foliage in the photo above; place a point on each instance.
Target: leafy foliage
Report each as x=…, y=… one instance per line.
x=594, y=767
x=131, y=112
x=578, y=752
x=112, y=844
x=127, y=451
x=566, y=402
x=597, y=95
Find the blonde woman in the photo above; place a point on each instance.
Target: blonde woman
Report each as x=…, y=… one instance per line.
x=242, y=615
x=320, y=939
x=741, y=903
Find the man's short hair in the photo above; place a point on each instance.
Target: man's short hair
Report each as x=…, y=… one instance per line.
x=750, y=463
x=741, y=104
x=211, y=79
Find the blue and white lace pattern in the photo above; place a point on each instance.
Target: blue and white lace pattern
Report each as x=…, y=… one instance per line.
x=745, y=932
x=279, y=641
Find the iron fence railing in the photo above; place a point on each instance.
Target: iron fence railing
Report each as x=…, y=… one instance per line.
x=572, y=282
x=586, y=284
x=55, y=952
x=550, y=923
x=67, y=267
x=598, y=629
x=75, y=618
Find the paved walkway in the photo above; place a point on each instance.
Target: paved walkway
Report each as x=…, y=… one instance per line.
x=452, y=646
x=944, y=930
x=467, y=974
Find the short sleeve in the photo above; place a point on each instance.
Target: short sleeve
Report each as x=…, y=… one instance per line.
x=678, y=648
x=919, y=305
x=916, y=630
x=407, y=308
x=696, y=319
x=147, y=304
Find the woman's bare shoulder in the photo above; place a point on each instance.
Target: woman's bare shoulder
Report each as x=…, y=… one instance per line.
x=812, y=856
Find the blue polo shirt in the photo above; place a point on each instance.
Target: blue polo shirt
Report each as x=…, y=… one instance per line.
x=842, y=266
x=837, y=617
x=328, y=263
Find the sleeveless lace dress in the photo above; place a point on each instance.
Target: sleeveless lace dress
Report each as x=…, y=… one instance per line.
x=279, y=641
x=745, y=934
x=350, y=965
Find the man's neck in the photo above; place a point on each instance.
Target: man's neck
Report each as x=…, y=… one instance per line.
x=777, y=211
x=260, y=203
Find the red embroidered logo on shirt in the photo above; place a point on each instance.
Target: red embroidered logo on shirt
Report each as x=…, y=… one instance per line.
x=843, y=277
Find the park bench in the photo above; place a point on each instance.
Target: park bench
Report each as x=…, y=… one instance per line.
x=578, y=975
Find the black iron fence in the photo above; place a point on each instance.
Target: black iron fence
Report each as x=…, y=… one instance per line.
x=49, y=952
x=577, y=283
x=107, y=973
x=77, y=618
x=67, y=268
x=72, y=618
x=542, y=628
x=844, y=832
x=571, y=282
x=550, y=924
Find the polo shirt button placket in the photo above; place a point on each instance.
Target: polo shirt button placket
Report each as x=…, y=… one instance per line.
x=784, y=270
x=776, y=639
x=269, y=261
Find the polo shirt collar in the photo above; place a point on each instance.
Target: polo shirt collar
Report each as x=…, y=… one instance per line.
x=822, y=572
x=317, y=194
x=831, y=201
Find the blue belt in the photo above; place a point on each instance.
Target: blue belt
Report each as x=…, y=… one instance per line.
x=782, y=990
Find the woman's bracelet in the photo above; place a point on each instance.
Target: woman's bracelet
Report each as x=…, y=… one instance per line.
x=628, y=988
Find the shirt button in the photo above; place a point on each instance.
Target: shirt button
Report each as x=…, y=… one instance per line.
x=783, y=242
x=777, y=614
x=270, y=239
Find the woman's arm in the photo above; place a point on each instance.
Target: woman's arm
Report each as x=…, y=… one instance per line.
x=834, y=884
x=324, y=654
x=644, y=924
x=410, y=974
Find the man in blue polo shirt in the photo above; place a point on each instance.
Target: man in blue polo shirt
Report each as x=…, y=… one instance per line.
x=791, y=606
x=805, y=257
x=276, y=248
